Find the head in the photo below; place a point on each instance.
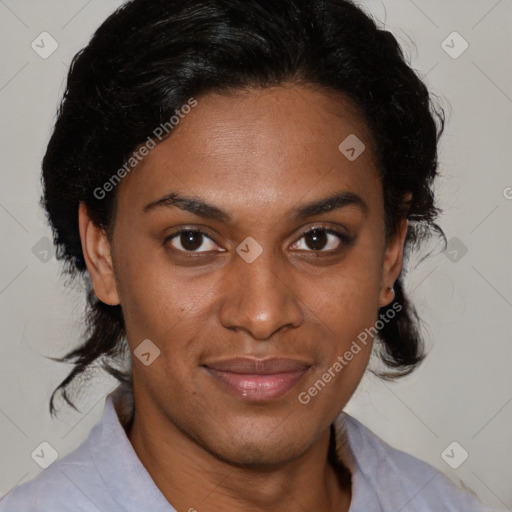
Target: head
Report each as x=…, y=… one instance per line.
x=201, y=174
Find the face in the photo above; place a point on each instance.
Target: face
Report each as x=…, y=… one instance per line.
x=216, y=258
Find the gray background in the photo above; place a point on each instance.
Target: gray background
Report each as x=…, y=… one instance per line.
x=461, y=393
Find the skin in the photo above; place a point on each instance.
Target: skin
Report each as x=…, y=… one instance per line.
x=257, y=155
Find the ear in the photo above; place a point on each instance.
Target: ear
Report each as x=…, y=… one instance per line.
x=98, y=258
x=392, y=263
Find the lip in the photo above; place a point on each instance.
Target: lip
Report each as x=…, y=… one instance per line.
x=258, y=379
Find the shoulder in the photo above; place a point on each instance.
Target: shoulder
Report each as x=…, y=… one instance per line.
x=401, y=481
x=69, y=484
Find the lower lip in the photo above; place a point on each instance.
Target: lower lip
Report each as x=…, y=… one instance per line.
x=258, y=387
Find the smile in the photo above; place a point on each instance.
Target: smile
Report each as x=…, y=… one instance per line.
x=258, y=380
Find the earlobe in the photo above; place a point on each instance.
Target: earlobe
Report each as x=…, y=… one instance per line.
x=98, y=258
x=392, y=264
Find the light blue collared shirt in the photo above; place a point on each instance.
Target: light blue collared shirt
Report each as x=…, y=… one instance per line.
x=104, y=474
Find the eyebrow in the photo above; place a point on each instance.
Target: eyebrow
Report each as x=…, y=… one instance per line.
x=203, y=209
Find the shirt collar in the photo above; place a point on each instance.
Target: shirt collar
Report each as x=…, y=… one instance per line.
x=133, y=488
x=127, y=480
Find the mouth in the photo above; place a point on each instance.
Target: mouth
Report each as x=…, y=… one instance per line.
x=258, y=379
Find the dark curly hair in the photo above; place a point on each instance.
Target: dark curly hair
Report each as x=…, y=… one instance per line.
x=150, y=56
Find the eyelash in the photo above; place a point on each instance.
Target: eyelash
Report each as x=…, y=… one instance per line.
x=345, y=240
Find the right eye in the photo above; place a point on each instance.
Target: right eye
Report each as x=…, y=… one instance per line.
x=190, y=241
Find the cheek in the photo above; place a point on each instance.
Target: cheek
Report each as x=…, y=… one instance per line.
x=158, y=309
x=344, y=306
x=347, y=298
x=159, y=302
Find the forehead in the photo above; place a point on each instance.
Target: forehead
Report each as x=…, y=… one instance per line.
x=261, y=148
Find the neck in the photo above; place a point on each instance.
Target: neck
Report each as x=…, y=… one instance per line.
x=191, y=478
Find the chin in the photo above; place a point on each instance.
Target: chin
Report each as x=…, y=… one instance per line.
x=257, y=456
x=253, y=448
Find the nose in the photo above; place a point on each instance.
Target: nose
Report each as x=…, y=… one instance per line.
x=259, y=297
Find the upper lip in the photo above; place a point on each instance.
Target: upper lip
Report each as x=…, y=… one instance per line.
x=269, y=366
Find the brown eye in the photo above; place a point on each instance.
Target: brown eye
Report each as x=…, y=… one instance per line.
x=316, y=239
x=190, y=240
x=321, y=240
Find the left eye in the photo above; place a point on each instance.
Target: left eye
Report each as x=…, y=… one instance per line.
x=321, y=240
